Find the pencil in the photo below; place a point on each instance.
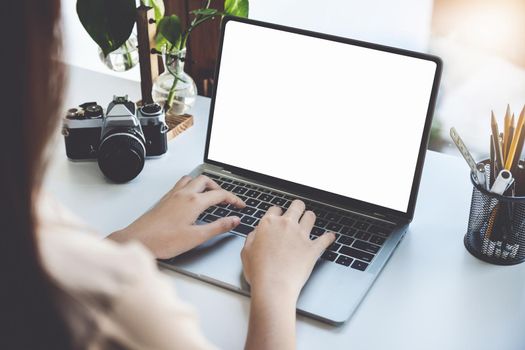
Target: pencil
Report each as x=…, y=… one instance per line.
x=518, y=136
x=492, y=163
x=505, y=138
x=519, y=146
x=495, y=135
x=510, y=136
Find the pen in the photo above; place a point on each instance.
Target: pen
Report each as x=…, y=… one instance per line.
x=497, y=145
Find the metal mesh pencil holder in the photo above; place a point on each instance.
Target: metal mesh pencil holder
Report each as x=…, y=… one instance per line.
x=496, y=226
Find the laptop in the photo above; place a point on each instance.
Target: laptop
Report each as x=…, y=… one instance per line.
x=342, y=125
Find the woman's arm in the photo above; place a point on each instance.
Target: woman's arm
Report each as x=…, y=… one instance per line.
x=278, y=258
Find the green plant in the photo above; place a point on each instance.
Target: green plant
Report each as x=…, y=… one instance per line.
x=171, y=38
x=110, y=24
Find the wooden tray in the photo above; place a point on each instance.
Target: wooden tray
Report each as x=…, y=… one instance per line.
x=178, y=124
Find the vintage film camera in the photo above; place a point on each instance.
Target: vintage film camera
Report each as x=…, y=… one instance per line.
x=120, y=139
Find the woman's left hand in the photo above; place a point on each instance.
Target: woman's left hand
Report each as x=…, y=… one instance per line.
x=169, y=229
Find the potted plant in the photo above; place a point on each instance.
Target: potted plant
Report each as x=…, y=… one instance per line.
x=110, y=24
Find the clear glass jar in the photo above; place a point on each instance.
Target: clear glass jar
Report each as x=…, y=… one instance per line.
x=174, y=88
x=124, y=58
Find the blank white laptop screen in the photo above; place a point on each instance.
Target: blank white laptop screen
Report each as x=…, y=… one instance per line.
x=333, y=116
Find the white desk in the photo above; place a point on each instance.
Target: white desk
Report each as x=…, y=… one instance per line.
x=432, y=294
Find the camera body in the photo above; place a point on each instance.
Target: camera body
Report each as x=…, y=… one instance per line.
x=119, y=139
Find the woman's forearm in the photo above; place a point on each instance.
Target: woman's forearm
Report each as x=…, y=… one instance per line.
x=272, y=319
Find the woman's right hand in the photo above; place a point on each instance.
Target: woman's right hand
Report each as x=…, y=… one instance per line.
x=278, y=257
x=279, y=252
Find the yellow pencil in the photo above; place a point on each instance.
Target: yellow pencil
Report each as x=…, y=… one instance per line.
x=518, y=138
x=505, y=141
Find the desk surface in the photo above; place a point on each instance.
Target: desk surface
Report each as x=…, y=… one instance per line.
x=431, y=295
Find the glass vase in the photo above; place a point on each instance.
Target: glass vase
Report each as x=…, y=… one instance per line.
x=174, y=89
x=124, y=58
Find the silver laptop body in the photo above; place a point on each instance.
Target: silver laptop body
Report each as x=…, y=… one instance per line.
x=389, y=175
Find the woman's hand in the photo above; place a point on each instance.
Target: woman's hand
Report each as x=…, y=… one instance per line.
x=279, y=252
x=169, y=228
x=278, y=258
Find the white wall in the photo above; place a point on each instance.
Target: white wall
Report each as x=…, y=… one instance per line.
x=403, y=23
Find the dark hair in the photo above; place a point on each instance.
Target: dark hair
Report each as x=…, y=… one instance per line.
x=31, y=88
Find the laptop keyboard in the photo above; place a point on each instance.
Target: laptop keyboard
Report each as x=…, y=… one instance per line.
x=358, y=240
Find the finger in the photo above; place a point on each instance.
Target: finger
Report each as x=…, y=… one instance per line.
x=323, y=242
x=183, y=181
x=249, y=238
x=307, y=221
x=295, y=210
x=221, y=196
x=275, y=210
x=201, y=183
x=219, y=226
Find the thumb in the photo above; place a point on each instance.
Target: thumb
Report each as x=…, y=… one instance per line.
x=323, y=242
x=220, y=226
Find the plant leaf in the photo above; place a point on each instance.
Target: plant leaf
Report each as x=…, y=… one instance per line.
x=158, y=8
x=239, y=8
x=205, y=12
x=160, y=42
x=108, y=22
x=170, y=28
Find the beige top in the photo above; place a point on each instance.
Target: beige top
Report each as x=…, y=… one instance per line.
x=131, y=303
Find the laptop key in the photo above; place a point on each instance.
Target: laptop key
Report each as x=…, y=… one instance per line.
x=362, y=235
x=320, y=222
x=344, y=260
x=379, y=230
x=243, y=229
x=333, y=227
x=239, y=190
x=253, y=193
x=265, y=197
x=252, y=202
x=347, y=221
x=345, y=240
x=225, y=179
x=377, y=240
x=227, y=186
x=355, y=253
x=316, y=231
x=264, y=206
x=221, y=212
x=248, y=210
x=328, y=255
x=248, y=220
x=334, y=247
x=361, y=225
x=359, y=265
x=332, y=217
x=210, y=218
x=319, y=213
x=279, y=201
x=367, y=247
x=259, y=214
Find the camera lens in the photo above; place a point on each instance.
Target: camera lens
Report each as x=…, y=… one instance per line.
x=93, y=111
x=152, y=108
x=121, y=156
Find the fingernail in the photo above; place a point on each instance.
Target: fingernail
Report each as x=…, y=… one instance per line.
x=236, y=220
